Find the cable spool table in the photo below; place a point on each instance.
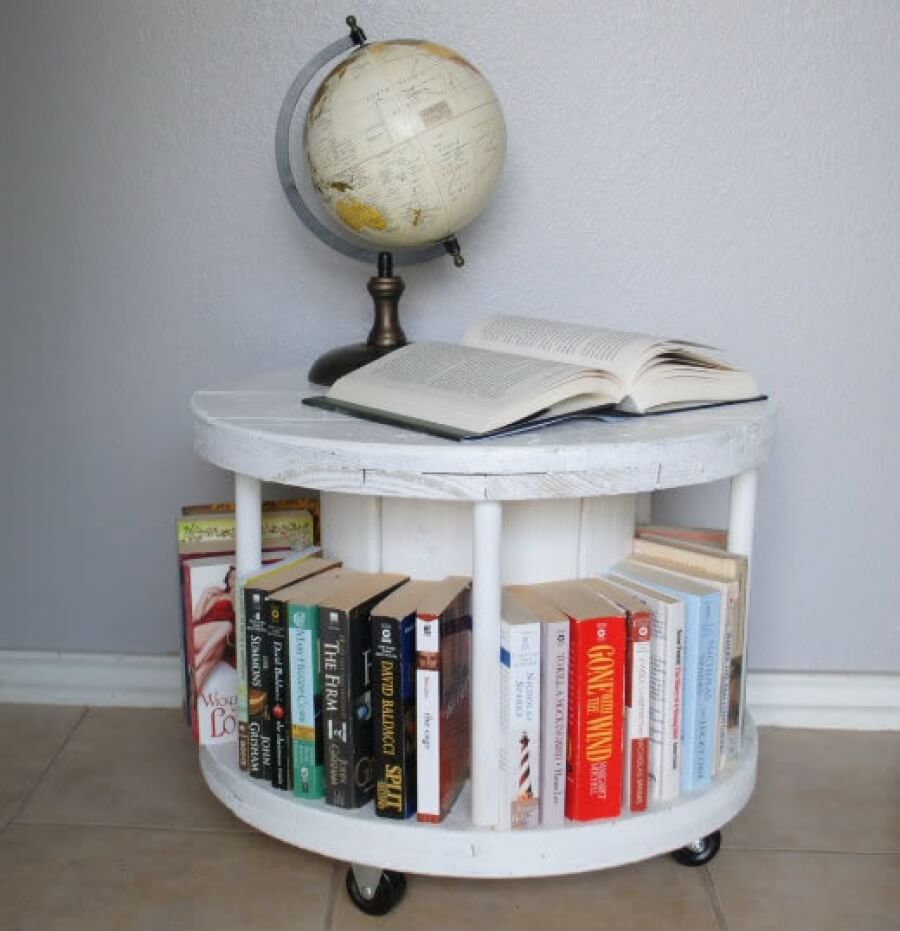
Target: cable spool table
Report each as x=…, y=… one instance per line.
x=553, y=504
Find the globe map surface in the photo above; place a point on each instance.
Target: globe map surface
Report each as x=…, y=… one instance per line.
x=405, y=142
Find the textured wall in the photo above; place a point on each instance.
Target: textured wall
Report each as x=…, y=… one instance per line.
x=723, y=171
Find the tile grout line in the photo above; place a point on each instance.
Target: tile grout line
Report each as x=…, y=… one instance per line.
x=138, y=826
x=713, y=897
x=34, y=786
x=332, y=898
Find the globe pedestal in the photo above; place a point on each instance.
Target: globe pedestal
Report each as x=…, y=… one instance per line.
x=385, y=336
x=331, y=366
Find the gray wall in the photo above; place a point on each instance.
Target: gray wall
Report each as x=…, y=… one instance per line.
x=721, y=171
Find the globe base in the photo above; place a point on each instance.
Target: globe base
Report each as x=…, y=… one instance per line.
x=328, y=368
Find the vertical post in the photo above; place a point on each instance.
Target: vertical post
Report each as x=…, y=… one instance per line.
x=740, y=540
x=742, y=513
x=247, y=509
x=485, y=697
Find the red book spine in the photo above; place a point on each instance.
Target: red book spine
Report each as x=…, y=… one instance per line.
x=637, y=705
x=596, y=708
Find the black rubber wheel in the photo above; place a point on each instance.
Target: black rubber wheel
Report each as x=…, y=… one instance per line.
x=388, y=893
x=702, y=853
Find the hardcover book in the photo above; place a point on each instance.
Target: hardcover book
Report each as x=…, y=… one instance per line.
x=714, y=563
x=347, y=717
x=666, y=651
x=699, y=705
x=597, y=644
x=706, y=536
x=520, y=710
x=443, y=662
x=255, y=741
x=394, y=699
x=296, y=528
x=512, y=368
x=635, y=786
x=304, y=659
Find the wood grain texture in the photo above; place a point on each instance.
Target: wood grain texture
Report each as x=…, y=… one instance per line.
x=259, y=427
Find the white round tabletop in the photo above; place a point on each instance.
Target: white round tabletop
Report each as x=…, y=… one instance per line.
x=259, y=427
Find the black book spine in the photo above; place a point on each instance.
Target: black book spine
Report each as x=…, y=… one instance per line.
x=279, y=703
x=257, y=684
x=347, y=706
x=394, y=711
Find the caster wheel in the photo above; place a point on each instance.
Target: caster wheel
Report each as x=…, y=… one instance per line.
x=700, y=852
x=384, y=897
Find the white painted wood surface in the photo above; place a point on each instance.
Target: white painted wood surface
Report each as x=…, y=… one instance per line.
x=396, y=500
x=259, y=427
x=457, y=848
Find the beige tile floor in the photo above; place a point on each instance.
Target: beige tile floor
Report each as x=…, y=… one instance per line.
x=105, y=824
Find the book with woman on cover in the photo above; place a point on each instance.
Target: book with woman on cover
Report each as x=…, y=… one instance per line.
x=515, y=372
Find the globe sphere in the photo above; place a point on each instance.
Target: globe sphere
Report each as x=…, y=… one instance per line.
x=405, y=141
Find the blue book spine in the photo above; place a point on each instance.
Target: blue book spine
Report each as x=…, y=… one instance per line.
x=697, y=768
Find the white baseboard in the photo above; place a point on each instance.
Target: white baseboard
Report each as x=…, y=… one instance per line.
x=97, y=679
x=850, y=701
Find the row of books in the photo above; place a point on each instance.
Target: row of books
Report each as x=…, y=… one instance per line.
x=358, y=686
x=617, y=692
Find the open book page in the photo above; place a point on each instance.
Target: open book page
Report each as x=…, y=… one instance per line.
x=467, y=388
x=654, y=373
x=615, y=351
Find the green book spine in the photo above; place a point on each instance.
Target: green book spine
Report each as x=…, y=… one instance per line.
x=304, y=658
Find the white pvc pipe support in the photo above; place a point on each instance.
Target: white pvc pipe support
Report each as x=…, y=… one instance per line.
x=742, y=511
x=248, y=526
x=485, y=694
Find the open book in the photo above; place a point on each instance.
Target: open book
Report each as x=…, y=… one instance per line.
x=520, y=371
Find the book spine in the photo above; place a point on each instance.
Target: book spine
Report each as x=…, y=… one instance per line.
x=520, y=669
x=735, y=673
x=334, y=633
x=671, y=646
x=726, y=645
x=393, y=705
x=596, y=705
x=279, y=721
x=699, y=697
x=305, y=693
x=554, y=713
x=258, y=743
x=240, y=642
x=428, y=716
x=348, y=719
x=637, y=712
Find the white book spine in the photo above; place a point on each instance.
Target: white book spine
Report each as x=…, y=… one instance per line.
x=554, y=720
x=520, y=721
x=637, y=725
x=666, y=655
x=428, y=715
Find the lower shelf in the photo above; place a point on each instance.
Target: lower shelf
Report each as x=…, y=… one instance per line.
x=456, y=848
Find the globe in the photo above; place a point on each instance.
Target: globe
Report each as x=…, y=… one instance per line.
x=405, y=141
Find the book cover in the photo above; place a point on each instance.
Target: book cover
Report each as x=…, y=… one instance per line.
x=394, y=699
x=520, y=712
x=666, y=649
x=273, y=550
x=255, y=740
x=443, y=662
x=699, y=706
x=347, y=716
x=304, y=673
x=293, y=528
x=637, y=694
x=714, y=563
x=594, y=757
